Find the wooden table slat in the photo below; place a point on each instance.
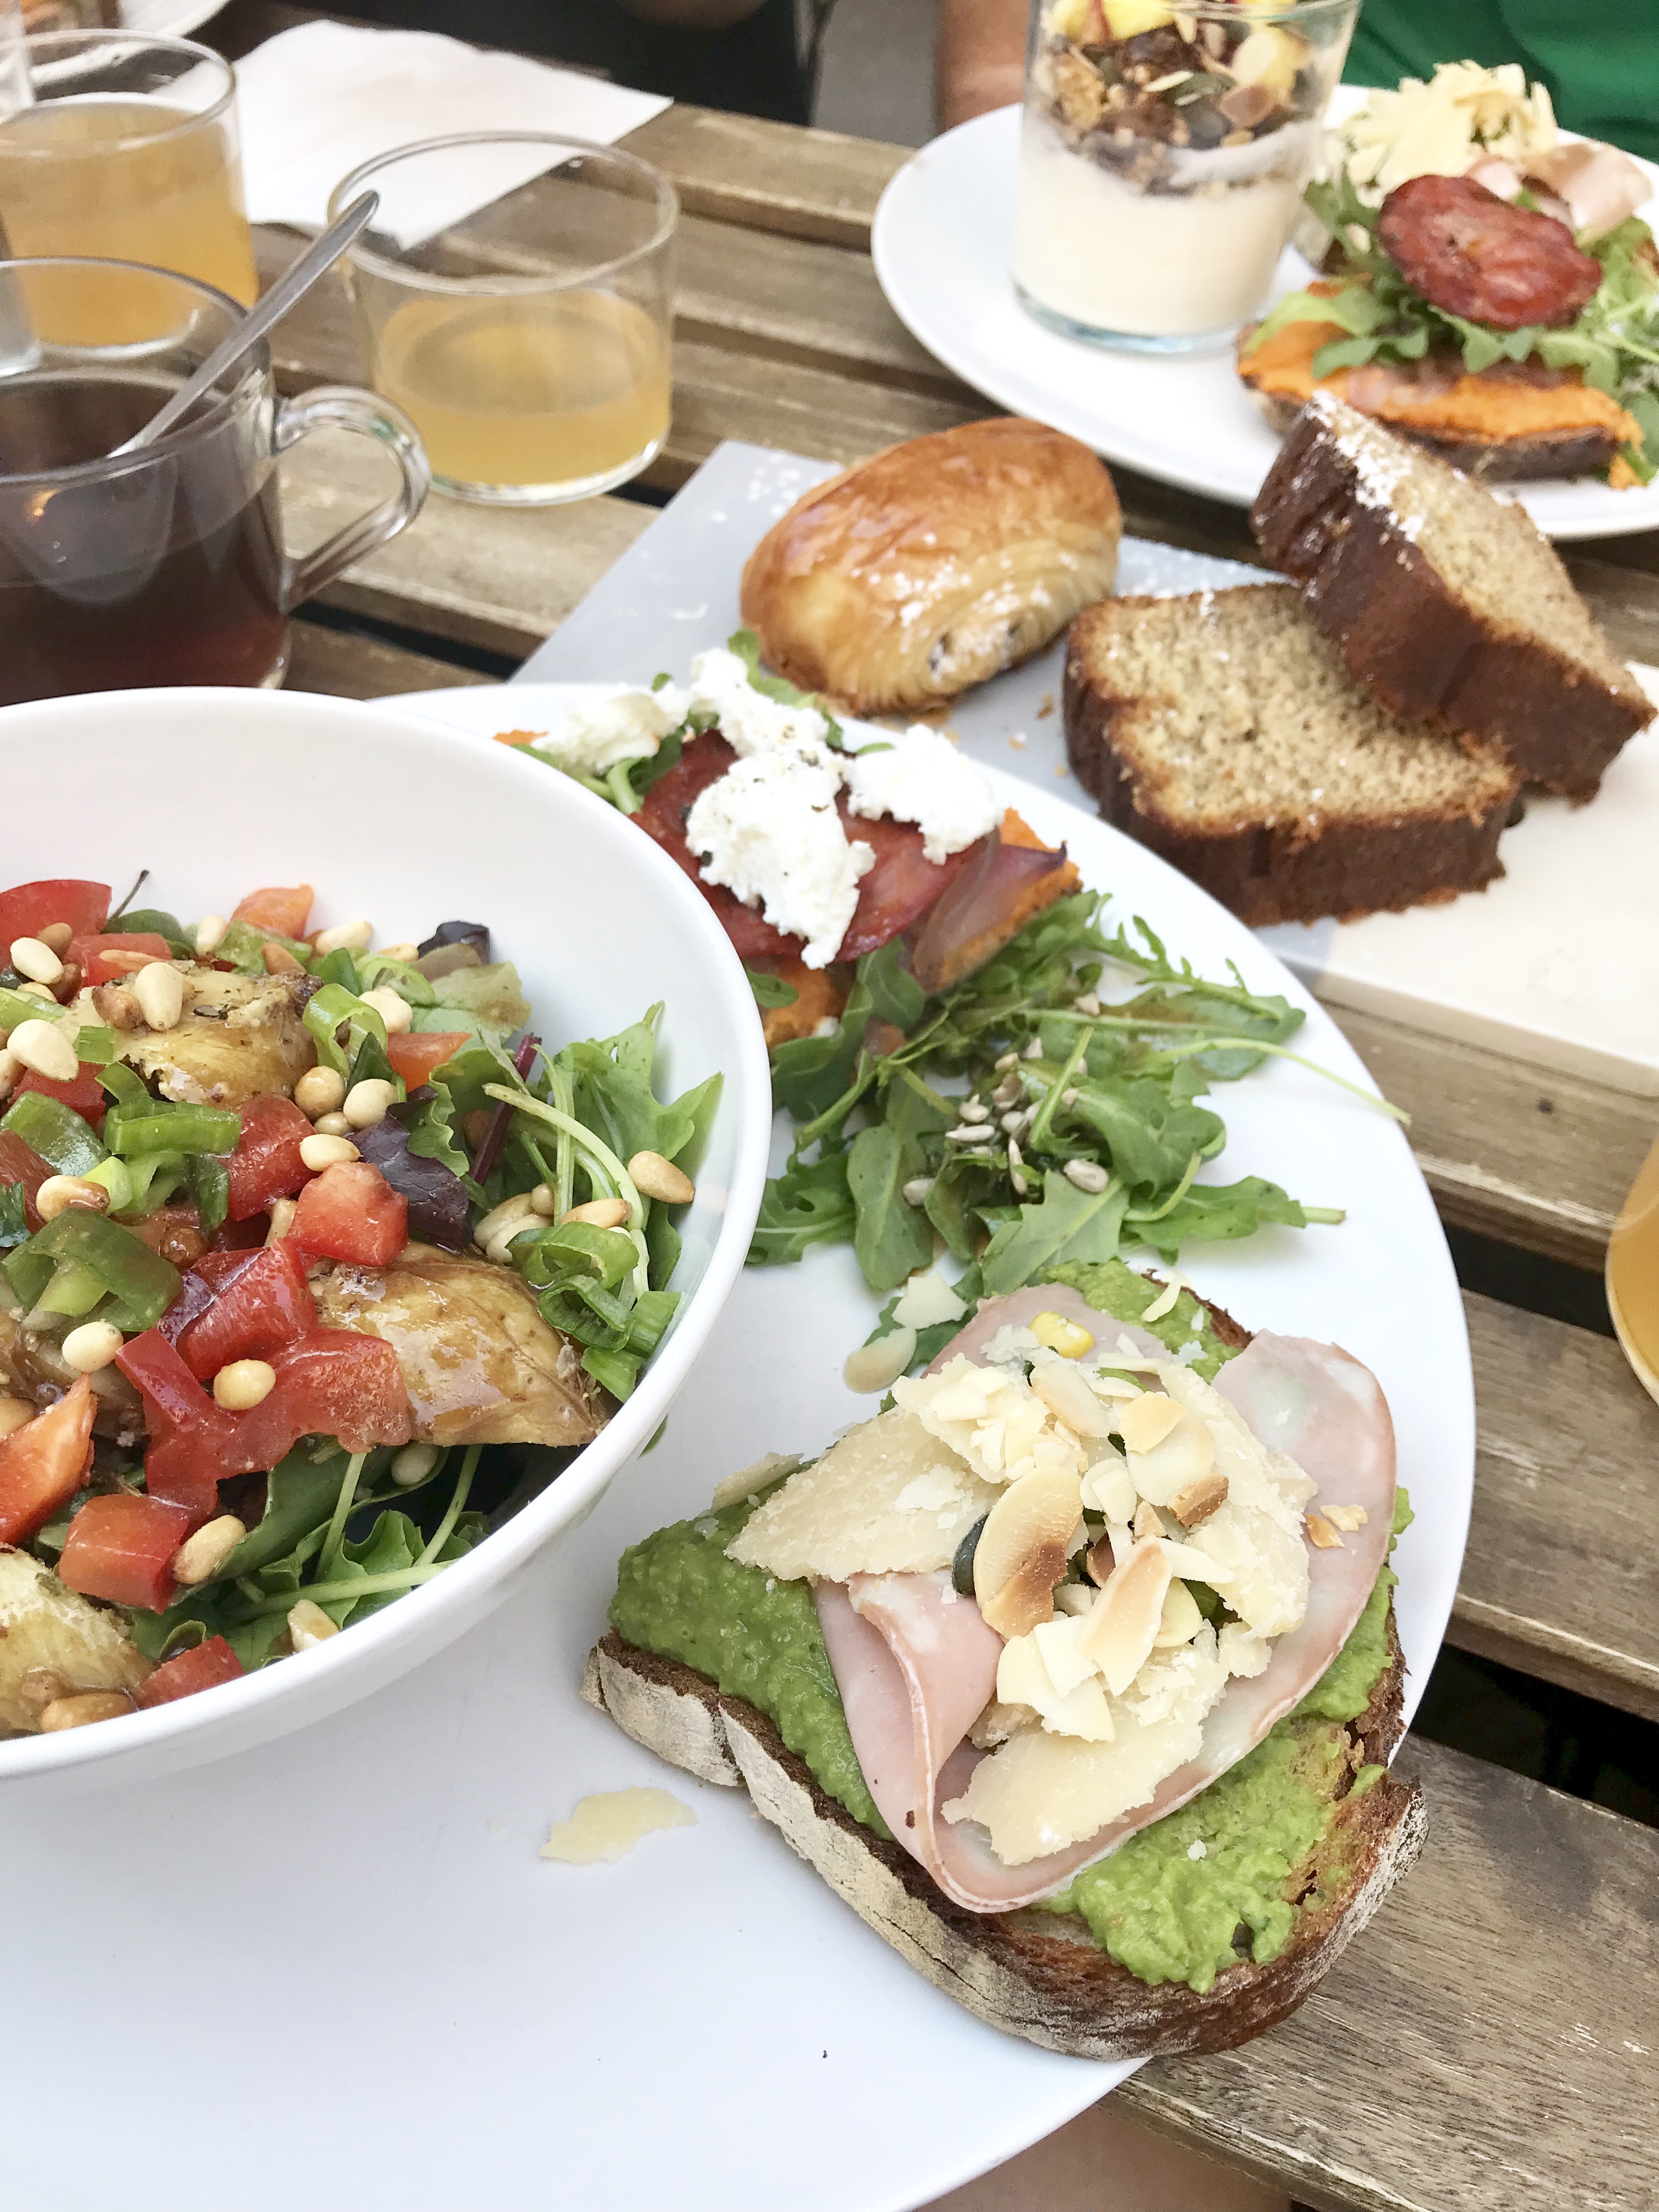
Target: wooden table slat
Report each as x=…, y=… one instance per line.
x=1487, y=2044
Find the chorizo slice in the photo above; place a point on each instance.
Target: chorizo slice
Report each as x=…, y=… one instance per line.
x=1471, y=254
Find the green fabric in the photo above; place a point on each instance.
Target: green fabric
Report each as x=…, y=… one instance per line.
x=1600, y=64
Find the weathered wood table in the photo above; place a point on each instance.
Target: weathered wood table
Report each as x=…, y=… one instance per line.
x=1491, y=2041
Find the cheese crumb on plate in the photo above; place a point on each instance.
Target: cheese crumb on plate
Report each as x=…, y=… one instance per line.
x=607, y=1826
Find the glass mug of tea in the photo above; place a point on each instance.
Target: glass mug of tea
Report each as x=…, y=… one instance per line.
x=165, y=566
x=527, y=338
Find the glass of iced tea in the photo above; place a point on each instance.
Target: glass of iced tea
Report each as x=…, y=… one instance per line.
x=128, y=152
x=1634, y=1275
x=165, y=566
x=527, y=338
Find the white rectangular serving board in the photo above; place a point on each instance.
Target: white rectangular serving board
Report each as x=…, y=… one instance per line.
x=1558, y=962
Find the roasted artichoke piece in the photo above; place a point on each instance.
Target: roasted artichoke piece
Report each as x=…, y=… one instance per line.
x=480, y=1364
x=33, y=1367
x=47, y=1631
x=240, y=1037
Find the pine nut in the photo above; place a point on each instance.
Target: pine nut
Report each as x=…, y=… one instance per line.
x=660, y=1178
x=394, y=1009
x=332, y=1125
x=320, y=1153
x=279, y=961
x=282, y=1219
x=348, y=937
x=200, y=1557
x=544, y=1198
x=59, y=935
x=40, y=1687
x=319, y=1090
x=13, y=1413
x=30, y=957
x=44, y=1050
x=520, y=1208
x=367, y=1102
x=159, y=991
x=58, y=1193
x=211, y=931
x=243, y=1384
x=308, y=1625
x=408, y=954
x=413, y=1464
x=88, y=1705
x=600, y=1213
x=91, y=1347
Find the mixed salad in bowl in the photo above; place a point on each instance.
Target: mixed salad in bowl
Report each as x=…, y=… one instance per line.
x=302, y=1241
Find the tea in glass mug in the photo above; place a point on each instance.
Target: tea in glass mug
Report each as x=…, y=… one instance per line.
x=1634, y=1274
x=128, y=153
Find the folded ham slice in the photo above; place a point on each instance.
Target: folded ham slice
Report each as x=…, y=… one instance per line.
x=915, y=1663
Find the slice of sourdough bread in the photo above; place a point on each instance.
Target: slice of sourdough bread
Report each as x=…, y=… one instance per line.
x=1034, y=1974
x=1223, y=731
x=1449, y=604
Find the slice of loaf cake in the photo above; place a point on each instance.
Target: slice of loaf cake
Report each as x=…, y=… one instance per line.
x=1223, y=731
x=1448, y=603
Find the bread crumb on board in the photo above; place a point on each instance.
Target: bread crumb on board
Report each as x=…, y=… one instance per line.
x=607, y=1826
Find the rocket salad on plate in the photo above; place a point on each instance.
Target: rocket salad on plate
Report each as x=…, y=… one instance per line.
x=301, y=1243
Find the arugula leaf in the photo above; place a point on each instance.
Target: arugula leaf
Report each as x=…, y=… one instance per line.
x=891, y=1238
x=770, y=990
x=1065, y=1223
x=895, y=994
x=805, y=1204
x=1149, y=1136
x=1214, y=1213
x=300, y=1495
x=809, y=1074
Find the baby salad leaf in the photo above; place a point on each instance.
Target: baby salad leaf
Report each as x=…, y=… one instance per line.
x=492, y=994
x=770, y=990
x=890, y=1238
x=1065, y=1223
x=805, y=1204
x=1214, y=1213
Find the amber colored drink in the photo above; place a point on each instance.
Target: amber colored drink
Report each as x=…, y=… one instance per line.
x=1634, y=1274
x=125, y=180
x=548, y=388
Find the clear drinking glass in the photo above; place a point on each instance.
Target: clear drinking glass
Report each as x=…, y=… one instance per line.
x=166, y=566
x=516, y=298
x=129, y=152
x=1162, y=156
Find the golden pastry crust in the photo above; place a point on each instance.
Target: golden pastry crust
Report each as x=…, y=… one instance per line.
x=934, y=565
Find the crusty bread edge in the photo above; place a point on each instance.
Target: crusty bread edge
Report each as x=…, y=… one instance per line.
x=1264, y=874
x=1494, y=460
x=1413, y=641
x=1029, y=1974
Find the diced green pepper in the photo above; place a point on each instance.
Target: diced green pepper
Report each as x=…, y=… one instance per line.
x=134, y=1286
x=332, y=1009
x=113, y=1175
x=55, y=1131
x=175, y=1129
x=153, y=1177
x=209, y=1186
x=17, y=1007
x=126, y=1088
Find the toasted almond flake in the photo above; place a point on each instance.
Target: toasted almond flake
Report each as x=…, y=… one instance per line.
x=1320, y=1532
x=1147, y=1522
x=1144, y=1422
x=1067, y=1396
x=1119, y=1634
x=1185, y=1455
x=1345, y=1516
x=1022, y=1549
x=1194, y=1501
x=1194, y=1565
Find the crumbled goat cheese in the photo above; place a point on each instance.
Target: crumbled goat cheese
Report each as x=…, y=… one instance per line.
x=596, y=725
x=769, y=831
x=922, y=778
x=750, y=722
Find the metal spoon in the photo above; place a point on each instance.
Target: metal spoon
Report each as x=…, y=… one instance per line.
x=295, y=282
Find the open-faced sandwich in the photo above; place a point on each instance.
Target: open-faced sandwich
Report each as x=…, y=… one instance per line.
x=1489, y=288
x=1074, y=1671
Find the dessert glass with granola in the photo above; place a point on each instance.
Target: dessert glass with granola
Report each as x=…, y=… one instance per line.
x=1163, y=159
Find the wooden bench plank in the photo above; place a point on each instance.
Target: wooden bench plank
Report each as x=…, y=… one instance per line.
x=1487, y=2043
x=350, y=665
x=770, y=176
x=1559, y=1579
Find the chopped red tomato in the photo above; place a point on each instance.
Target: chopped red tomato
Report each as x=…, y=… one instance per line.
x=334, y=1383
x=27, y=909
x=352, y=1212
x=186, y=1672
x=121, y=1549
x=83, y=1091
x=192, y=1441
x=21, y=1163
x=266, y=1163
x=265, y=1303
x=109, y=959
x=414, y=1054
x=241, y=1235
x=285, y=909
x=41, y=1463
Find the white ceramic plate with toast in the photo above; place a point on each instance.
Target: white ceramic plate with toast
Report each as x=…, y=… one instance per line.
x=462, y=2023
x=943, y=241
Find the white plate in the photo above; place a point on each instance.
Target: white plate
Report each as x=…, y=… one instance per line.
x=167, y=19
x=942, y=244
x=458, y=2024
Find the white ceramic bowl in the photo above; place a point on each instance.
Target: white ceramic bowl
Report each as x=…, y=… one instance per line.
x=217, y=790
